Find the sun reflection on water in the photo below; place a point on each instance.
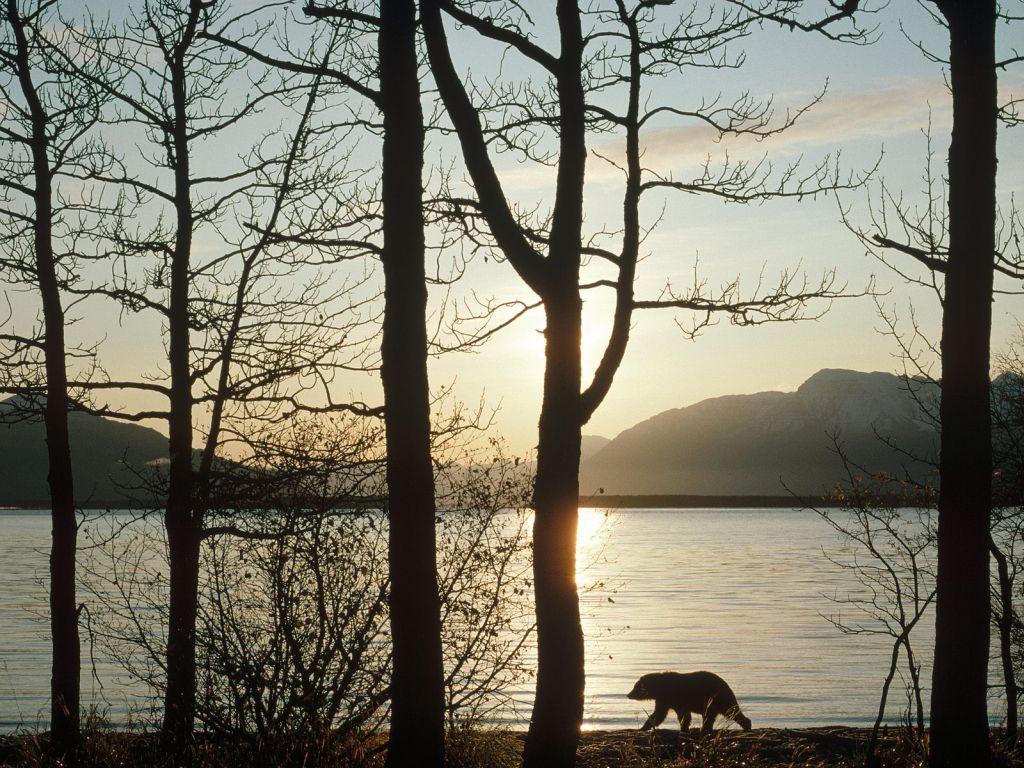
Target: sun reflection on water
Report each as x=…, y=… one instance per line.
x=591, y=538
x=590, y=528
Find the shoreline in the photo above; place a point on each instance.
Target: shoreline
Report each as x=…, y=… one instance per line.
x=602, y=501
x=813, y=747
x=698, y=501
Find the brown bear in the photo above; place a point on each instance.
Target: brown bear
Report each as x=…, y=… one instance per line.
x=704, y=693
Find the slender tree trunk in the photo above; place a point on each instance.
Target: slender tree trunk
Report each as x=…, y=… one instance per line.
x=66, y=674
x=1004, y=624
x=959, y=714
x=182, y=521
x=65, y=677
x=417, y=700
x=558, y=703
x=870, y=757
x=183, y=539
x=914, y=669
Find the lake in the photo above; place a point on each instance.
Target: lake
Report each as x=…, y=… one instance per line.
x=741, y=592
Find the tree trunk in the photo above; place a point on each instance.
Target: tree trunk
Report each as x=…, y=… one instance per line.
x=870, y=756
x=914, y=670
x=1004, y=624
x=66, y=673
x=959, y=717
x=183, y=539
x=417, y=700
x=65, y=680
x=182, y=521
x=558, y=703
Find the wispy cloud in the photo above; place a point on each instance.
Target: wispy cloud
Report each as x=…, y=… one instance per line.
x=842, y=119
x=839, y=120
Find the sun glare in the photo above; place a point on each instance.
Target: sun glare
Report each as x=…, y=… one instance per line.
x=589, y=527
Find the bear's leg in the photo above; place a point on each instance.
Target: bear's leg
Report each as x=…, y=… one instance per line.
x=657, y=717
x=708, y=725
x=684, y=721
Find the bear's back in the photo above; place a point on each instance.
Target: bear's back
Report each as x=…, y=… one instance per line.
x=691, y=691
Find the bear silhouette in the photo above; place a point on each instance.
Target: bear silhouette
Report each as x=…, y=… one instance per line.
x=703, y=693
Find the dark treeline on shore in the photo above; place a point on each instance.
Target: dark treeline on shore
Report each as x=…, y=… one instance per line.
x=666, y=501
x=277, y=193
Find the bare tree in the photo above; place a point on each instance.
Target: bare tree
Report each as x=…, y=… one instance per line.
x=293, y=646
x=1008, y=521
x=960, y=243
x=385, y=33
x=887, y=529
x=257, y=329
x=417, y=709
x=48, y=116
x=918, y=353
x=597, y=83
x=959, y=712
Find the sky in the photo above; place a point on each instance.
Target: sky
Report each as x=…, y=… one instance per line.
x=879, y=100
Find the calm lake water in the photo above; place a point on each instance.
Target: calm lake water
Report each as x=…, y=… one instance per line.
x=741, y=592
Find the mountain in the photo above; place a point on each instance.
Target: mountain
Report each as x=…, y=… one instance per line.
x=764, y=443
x=105, y=455
x=758, y=444
x=592, y=444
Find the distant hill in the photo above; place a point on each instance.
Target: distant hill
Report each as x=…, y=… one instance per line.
x=734, y=445
x=592, y=444
x=102, y=450
x=761, y=444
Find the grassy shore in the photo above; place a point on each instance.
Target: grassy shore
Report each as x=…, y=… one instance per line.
x=826, y=747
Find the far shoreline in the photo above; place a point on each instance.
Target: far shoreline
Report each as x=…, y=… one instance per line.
x=600, y=501
x=696, y=501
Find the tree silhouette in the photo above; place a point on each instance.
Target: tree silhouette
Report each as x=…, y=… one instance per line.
x=255, y=327
x=49, y=116
x=417, y=708
x=959, y=706
x=955, y=237
x=603, y=49
x=891, y=553
x=386, y=34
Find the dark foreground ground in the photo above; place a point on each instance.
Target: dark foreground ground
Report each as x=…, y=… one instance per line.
x=827, y=747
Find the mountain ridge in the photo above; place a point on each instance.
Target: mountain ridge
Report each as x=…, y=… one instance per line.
x=106, y=456
x=769, y=443
x=765, y=444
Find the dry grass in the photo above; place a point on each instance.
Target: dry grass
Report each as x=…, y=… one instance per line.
x=832, y=747
x=828, y=747
x=105, y=748
x=765, y=748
